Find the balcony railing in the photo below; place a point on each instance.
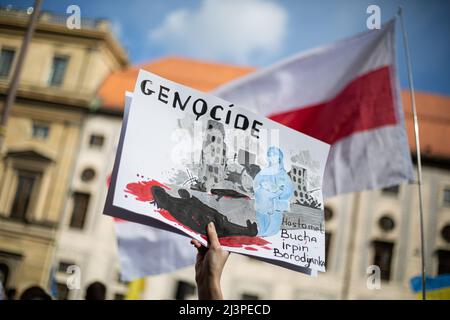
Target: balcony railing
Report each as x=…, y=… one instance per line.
x=52, y=18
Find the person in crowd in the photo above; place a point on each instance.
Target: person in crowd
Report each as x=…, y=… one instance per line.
x=11, y=294
x=35, y=293
x=209, y=266
x=96, y=291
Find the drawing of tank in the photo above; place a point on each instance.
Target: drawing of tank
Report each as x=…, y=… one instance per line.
x=243, y=171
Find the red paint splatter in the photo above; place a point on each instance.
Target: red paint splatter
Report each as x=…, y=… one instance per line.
x=142, y=190
x=166, y=214
x=241, y=241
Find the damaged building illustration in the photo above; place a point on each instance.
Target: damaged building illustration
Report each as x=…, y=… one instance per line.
x=215, y=169
x=302, y=196
x=213, y=159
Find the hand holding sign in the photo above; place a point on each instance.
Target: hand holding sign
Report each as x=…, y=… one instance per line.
x=209, y=266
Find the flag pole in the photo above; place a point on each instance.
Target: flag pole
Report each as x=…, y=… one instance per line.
x=14, y=83
x=419, y=160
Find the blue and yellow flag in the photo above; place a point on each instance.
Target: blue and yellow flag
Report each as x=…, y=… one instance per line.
x=135, y=289
x=438, y=288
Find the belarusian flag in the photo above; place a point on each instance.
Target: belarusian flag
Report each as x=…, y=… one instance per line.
x=345, y=94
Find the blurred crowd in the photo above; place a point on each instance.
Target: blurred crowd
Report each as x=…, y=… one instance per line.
x=95, y=291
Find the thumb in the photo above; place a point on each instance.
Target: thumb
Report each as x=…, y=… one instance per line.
x=213, y=239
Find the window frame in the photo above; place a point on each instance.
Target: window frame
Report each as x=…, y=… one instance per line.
x=71, y=223
x=388, y=191
x=40, y=124
x=96, y=135
x=439, y=253
x=52, y=71
x=444, y=203
x=26, y=217
x=383, y=272
x=11, y=67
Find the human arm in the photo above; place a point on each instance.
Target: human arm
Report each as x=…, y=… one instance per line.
x=209, y=266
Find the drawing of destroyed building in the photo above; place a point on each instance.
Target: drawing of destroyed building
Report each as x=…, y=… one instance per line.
x=213, y=158
x=301, y=194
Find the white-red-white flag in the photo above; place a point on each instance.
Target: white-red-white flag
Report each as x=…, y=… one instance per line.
x=346, y=94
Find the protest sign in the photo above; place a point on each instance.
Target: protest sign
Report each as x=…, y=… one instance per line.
x=186, y=158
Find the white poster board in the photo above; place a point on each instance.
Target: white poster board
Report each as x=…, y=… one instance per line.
x=186, y=158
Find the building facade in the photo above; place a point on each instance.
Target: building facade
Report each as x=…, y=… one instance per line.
x=363, y=230
x=60, y=76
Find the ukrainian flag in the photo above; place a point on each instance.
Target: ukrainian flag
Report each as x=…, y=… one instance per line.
x=438, y=288
x=135, y=289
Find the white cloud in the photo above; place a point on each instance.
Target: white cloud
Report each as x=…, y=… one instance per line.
x=236, y=30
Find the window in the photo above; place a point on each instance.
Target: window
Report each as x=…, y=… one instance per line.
x=87, y=174
x=58, y=70
x=383, y=258
x=184, y=290
x=249, y=296
x=26, y=183
x=6, y=60
x=64, y=265
x=327, y=247
x=96, y=141
x=80, y=206
x=386, y=223
x=40, y=130
x=444, y=262
x=447, y=197
x=391, y=191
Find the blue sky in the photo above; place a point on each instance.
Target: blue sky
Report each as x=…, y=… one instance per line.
x=214, y=29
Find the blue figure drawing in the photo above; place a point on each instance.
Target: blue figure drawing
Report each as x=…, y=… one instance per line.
x=273, y=188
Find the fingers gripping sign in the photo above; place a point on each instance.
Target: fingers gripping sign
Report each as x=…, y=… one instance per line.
x=209, y=265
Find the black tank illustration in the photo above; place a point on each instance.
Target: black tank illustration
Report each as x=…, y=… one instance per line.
x=196, y=215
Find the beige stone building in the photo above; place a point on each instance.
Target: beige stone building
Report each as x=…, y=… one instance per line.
x=61, y=73
x=378, y=227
